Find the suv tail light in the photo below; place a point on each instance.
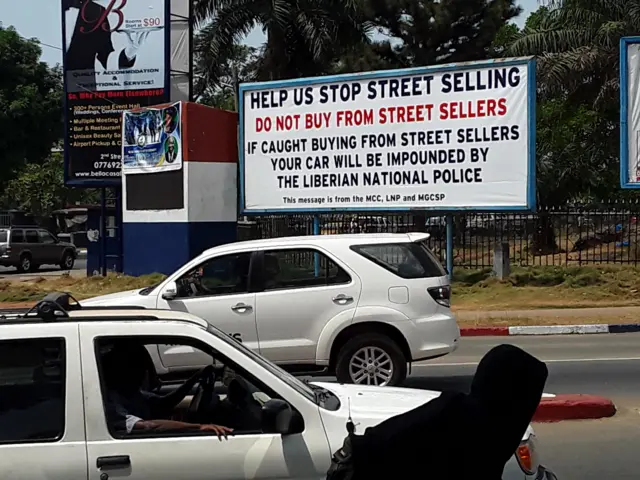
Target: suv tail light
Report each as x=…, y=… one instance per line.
x=527, y=457
x=441, y=295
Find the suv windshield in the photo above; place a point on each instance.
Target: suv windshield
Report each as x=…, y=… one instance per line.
x=316, y=394
x=406, y=260
x=286, y=377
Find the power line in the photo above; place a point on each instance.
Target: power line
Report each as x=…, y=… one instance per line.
x=50, y=46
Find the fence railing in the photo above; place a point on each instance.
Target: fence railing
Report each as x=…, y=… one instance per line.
x=604, y=234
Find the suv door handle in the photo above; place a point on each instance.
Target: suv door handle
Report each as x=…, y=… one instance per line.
x=242, y=308
x=342, y=299
x=113, y=461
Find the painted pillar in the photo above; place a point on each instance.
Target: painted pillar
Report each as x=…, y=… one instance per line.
x=171, y=217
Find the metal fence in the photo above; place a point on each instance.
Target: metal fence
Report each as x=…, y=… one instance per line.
x=578, y=235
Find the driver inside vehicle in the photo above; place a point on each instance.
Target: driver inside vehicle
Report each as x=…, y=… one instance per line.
x=132, y=408
x=219, y=276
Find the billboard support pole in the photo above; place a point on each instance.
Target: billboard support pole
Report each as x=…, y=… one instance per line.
x=316, y=257
x=450, y=246
x=103, y=231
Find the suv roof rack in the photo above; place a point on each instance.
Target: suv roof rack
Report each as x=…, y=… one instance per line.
x=55, y=306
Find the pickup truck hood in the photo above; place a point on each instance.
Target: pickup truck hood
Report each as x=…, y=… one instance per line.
x=129, y=297
x=369, y=405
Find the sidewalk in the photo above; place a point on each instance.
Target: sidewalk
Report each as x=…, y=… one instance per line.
x=600, y=312
x=549, y=321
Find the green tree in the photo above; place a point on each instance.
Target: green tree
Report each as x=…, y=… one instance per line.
x=39, y=189
x=303, y=36
x=429, y=32
x=216, y=84
x=577, y=44
x=30, y=104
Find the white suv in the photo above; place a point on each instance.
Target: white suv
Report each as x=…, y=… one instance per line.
x=360, y=306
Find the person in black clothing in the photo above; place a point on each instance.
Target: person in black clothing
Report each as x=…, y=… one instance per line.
x=457, y=436
x=90, y=41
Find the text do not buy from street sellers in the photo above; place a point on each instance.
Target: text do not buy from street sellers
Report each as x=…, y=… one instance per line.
x=439, y=138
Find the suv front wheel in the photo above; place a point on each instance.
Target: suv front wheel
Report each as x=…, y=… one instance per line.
x=67, y=261
x=371, y=359
x=25, y=265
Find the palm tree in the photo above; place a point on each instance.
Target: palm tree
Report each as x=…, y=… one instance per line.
x=303, y=36
x=577, y=45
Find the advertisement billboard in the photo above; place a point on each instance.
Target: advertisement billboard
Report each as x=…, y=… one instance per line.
x=152, y=140
x=115, y=59
x=455, y=137
x=630, y=112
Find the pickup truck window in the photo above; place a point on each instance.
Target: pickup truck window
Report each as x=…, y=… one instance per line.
x=32, y=390
x=218, y=396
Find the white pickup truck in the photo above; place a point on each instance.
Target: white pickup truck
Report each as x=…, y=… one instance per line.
x=54, y=425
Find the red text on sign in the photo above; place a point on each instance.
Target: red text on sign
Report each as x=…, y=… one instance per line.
x=354, y=118
x=473, y=109
x=405, y=114
x=317, y=120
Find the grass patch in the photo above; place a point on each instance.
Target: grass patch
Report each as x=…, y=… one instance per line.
x=548, y=287
x=473, y=290
x=34, y=289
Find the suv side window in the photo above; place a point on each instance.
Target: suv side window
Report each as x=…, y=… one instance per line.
x=32, y=390
x=32, y=236
x=46, y=237
x=406, y=260
x=301, y=268
x=225, y=275
x=17, y=236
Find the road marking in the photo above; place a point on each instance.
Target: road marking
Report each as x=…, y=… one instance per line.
x=558, y=360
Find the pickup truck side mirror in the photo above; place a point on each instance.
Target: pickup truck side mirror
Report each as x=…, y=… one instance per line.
x=170, y=291
x=279, y=417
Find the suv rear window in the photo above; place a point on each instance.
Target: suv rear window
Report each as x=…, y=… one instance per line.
x=3, y=236
x=406, y=260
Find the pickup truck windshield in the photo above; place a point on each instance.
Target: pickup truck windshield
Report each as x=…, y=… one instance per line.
x=293, y=382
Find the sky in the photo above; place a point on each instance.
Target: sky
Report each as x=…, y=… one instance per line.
x=41, y=19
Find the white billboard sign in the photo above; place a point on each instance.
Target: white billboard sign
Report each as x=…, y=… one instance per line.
x=630, y=112
x=455, y=137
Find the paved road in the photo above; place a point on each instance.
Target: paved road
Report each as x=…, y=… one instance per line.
x=606, y=365
x=595, y=449
x=10, y=273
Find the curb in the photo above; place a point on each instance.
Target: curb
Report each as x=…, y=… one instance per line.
x=549, y=330
x=573, y=407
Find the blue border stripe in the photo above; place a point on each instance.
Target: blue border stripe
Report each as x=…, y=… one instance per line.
x=529, y=62
x=622, y=328
x=624, y=112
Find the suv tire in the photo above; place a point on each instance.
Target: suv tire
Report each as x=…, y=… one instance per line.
x=25, y=265
x=67, y=261
x=378, y=352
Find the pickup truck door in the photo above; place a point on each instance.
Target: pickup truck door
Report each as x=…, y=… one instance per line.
x=256, y=456
x=39, y=381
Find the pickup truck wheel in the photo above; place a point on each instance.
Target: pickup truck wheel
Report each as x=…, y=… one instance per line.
x=371, y=359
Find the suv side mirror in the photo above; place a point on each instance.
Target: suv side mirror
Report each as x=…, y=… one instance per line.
x=170, y=291
x=279, y=417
